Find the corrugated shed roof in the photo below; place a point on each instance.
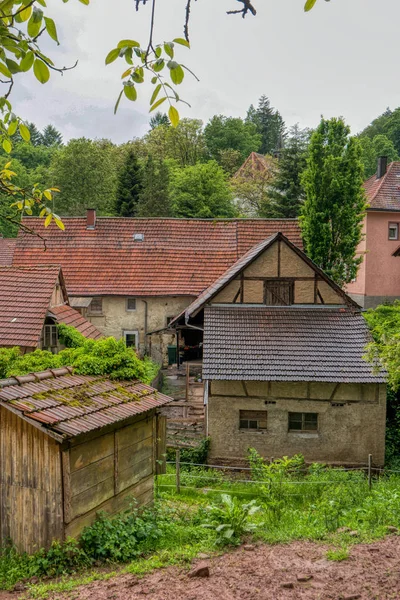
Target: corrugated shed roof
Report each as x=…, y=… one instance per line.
x=286, y=344
x=67, y=405
x=177, y=257
x=384, y=193
x=25, y=295
x=7, y=247
x=70, y=316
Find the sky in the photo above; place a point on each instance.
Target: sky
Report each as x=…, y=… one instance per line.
x=341, y=59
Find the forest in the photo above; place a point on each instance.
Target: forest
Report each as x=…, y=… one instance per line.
x=186, y=171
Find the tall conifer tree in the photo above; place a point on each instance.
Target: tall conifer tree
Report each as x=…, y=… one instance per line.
x=130, y=184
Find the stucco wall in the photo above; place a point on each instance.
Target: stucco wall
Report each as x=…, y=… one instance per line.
x=116, y=319
x=379, y=276
x=351, y=421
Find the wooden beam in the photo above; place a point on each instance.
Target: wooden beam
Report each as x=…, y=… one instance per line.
x=242, y=289
x=279, y=258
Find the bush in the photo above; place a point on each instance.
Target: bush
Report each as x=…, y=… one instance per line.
x=232, y=519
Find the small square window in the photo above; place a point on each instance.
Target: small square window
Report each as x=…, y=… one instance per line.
x=303, y=422
x=253, y=419
x=393, y=231
x=278, y=292
x=131, y=304
x=96, y=306
x=131, y=339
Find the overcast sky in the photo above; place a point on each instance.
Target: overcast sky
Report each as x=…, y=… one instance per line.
x=339, y=59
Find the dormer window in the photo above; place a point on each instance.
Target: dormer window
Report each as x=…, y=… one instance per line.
x=138, y=237
x=393, y=231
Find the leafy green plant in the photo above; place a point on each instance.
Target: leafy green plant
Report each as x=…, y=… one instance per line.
x=60, y=559
x=121, y=538
x=231, y=519
x=197, y=455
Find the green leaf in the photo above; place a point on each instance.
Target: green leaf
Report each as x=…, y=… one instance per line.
x=24, y=14
x=13, y=66
x=169, y=49
x=27, y=62
x=112, y=55
x=182, y=42
x=41, y=71
x=157, y=104
x=4, y=70
x=7, y=146
x=47, y=220
x=35, y=22
x=25, y=133
x=309, y=5
x=128, y=44
x=59, y=223
x=155, y=94
x=12, y=128
x=173, y=116
x=86, y=2
x=130, y=91
x=51, y=28
x=159, y=65
x=177, y=75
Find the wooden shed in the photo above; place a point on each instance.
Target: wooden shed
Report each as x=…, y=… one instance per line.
x=71, y=445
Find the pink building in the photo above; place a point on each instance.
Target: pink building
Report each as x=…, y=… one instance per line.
x=378, y=278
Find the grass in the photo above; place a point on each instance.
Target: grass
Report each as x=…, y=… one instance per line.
x=294, y=503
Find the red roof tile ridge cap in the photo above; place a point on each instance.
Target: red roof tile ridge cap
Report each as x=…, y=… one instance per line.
x=30, y=268
x=383, y=179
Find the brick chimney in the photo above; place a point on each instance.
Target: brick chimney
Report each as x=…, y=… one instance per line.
x=382, y=166
x=91, y=218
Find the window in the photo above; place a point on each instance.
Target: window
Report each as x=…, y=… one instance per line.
x=253, y=419
x=50, y=336
x=132, y=339
x=138, y=237
x=96, y=306
x=393, y=231
x=131, y=304
x=278, y=292
x=303, y=422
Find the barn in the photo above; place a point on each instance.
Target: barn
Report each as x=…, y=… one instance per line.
x=71, y=445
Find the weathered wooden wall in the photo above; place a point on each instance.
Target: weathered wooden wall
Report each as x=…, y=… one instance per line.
x=107, y=471
x=31, y=511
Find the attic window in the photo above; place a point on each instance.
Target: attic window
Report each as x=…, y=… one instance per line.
x=96, y=306
x=393, y=231
x=278, y=292
x=138, y=237
x=50, y=337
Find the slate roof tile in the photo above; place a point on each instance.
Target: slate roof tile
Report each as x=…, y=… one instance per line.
x=286, y=344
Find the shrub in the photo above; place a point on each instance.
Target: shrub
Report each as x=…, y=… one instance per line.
x=232, y=519
x=60, y=559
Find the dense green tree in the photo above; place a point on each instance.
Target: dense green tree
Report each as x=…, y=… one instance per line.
x=184, y=143
x=230, y=160
x=333, y=210
x=201, y=191
x=287, y=193
x=269, y=124
x=36, y=136
x=85, y=171
x=387, y=124
x=159, y=119
x=230, y=133
x=130, y=184
x=154, y=200
x=51, y=136
x=380, y=145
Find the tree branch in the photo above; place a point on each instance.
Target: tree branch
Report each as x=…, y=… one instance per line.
x=247, y=7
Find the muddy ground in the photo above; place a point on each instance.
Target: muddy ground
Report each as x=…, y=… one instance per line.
x=295, y=571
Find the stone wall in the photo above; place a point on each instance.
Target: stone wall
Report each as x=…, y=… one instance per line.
x=351, y=421
x=116, y=320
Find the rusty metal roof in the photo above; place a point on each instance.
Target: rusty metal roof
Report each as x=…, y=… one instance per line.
x=324, y=344
x=66, y=405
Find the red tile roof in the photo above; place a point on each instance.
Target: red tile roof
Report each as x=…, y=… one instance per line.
x=384, y=193
x=67, y=405
x=7, y=247
x=25, y=295
x=68, y=315
x=256, y=163
x=179, y=257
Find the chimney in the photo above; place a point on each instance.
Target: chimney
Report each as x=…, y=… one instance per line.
x=91, y=218
x=382, y=166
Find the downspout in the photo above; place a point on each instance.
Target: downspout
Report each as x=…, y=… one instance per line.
x=146, y=309
x=206, y=389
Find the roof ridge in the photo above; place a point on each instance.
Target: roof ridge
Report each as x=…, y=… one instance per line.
x=35, y=376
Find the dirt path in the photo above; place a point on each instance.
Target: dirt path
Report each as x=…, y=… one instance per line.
x=297, y=571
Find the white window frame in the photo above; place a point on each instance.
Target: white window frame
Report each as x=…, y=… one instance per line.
x=394, y=226
x=134, y=332
x=127, y=304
